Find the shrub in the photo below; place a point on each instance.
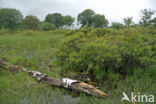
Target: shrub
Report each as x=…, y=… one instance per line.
x=47, y=26
x=100, y=51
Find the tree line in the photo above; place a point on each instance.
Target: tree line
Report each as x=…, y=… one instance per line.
x=13, y=19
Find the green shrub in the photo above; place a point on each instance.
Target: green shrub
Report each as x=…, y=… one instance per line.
x=99, y=51
x=152, y=71
x=47, y=26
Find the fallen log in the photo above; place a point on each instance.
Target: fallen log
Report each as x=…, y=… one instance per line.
x=65, y=82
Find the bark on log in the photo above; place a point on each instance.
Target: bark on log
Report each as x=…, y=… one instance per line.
x=76, y=85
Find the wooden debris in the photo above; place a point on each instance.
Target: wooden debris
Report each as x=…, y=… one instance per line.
x=65, y=82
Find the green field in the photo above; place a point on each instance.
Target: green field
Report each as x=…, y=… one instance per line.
x=36, y=50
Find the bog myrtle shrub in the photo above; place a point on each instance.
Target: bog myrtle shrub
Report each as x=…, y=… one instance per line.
x=101, y=51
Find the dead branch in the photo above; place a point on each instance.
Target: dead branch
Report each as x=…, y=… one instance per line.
x=65, y=82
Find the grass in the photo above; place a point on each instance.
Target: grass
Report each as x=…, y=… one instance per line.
x=32, y=51
x=35, y=50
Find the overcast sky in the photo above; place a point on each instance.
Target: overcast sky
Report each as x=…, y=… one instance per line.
x=114, y=10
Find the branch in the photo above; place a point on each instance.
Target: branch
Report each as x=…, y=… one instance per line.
x=65, y=82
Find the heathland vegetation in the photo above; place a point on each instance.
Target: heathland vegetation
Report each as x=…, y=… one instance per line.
x=120, y=57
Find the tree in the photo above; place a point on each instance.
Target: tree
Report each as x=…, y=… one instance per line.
x=128, y=21
x=99, y=21
x=117, y=25
x=153, y=21
x=10, y=18
x=55, y=18
x=86, y=17
x=47, y=26
x=146, y=16
x=67, y=20
x=31, y=22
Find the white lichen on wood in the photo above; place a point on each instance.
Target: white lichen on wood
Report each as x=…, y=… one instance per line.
x=24, y=69
x=68, y=82
x=37, y=75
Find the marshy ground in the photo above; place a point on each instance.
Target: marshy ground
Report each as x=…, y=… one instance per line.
x=35, y=50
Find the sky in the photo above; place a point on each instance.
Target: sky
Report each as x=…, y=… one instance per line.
x=114, y=10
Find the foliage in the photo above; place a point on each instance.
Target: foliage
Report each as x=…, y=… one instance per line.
x=10, y=18
x=99, y=21
x=101, y=51
x=58, y=20
x=117, y=25
x=128, y=21
x=55, y=18
x=146, y=16
x=151, y=71
x=47, y=26
x=35, y=50
x=86, y=17
x=68, y=21
x=153, y=21
x=31, y=22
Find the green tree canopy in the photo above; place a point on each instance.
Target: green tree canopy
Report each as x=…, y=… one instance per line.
x=117, y=25
x=31, y=22
x=99, y=21
x=55, y=18
x=68, y=20
x=10, y=18
x=128, y=21
x=146, y=15
x=153, y=21
x=86, y=17
x=47, y=26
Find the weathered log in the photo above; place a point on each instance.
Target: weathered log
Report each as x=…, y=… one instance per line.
x=66, y=82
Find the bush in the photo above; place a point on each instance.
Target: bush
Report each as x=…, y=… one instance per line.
x=47, y=26
x=152, y=72
x=99, y=51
